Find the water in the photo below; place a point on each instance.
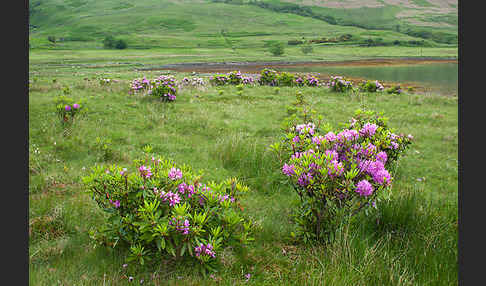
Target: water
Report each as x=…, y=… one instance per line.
x=434, y=77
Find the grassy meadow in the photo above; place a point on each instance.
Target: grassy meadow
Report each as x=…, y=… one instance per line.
x=410, y=241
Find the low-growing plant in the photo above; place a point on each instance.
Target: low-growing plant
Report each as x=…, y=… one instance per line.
x=337, y=174
x=340, y=84
x=161, y=209
x=105, y=148
x=49, y=226
x=67, y=108
x=394, y=90
x=371, y=86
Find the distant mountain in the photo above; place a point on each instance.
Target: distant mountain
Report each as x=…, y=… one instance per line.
x=241, y=23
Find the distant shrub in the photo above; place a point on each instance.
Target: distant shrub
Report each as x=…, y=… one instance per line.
x=164, y=87
x=394, y=90
x=371, y=86
x=268, y=77
x=161, y=209
x=233, y=78
x=219, y=79
x=111, y=43
x=51, y=39
x=339, y=84
x=194, y=82
x=285, y=79
x=120, y=44
x=295, y=42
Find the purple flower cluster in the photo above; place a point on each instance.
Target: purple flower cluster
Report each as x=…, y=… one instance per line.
x=172, y=198
x=364, y=188
x=304, y=179
x=377, y=171
x=305, y=128
x=204, y=250
x=335, y=169
x=347, y=135
x=180, y=225
x=310, y=80
x=288, y=170
x=175, y=174
x=379, y=86
x=145, y=172
x=368, y=129
x=116, y=203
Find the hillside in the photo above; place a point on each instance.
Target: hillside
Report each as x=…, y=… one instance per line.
x=83, y=24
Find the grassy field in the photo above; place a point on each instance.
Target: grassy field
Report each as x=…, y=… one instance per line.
x=410, y=241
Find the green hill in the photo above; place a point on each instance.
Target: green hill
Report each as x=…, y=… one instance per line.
x=83, y=24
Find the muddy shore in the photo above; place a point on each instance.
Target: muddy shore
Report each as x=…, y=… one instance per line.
x=255, y=67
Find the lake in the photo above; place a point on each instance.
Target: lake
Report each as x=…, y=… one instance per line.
x=434, y=77
x=429, y=76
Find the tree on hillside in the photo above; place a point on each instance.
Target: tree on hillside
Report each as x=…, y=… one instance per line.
x=277, y=49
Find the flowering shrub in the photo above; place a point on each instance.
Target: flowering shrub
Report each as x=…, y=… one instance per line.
x=161, y=209
x=311, y=80
x=67, y=108
x=268, y=77
x=274, y=78
x=139, y=85
x=371, y=86
x=219, y=79
x=338, y=173
x=233, y=78
x=339, y=84
x=285, y=79
x=195, y=82
x=394, y=90
x=163, y=87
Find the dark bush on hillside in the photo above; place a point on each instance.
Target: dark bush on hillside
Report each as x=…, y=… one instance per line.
x=51, y=39
x=111, y=43
x=121, y=44
x=277, y=49
x=295, y=42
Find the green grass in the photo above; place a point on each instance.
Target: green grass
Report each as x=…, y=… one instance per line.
x=411, y=241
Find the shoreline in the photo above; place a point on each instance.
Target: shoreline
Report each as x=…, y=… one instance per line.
x=252, y=66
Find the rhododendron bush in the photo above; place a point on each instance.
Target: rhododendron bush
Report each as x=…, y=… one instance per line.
x=338, y=173
x=164, y=87
x=160, y=209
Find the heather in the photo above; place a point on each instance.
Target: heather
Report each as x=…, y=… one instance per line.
x=410, y=238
